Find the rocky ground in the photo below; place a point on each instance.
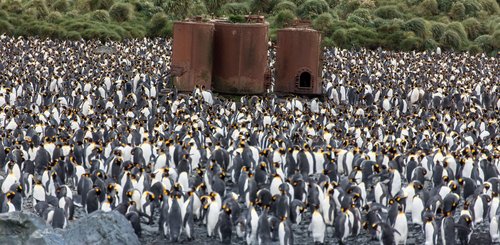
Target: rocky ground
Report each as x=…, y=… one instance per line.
x=150, y=234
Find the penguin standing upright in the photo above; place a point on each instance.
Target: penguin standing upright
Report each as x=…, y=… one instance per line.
x=448, y=230
x=342, y=225
x=418, y=207
x=10, y=180
x=164, y=212
x=285, y=232
x=430, y=230
x=385, y=233
x=494, y=229
x=263, y=227
x=92, y=203
x=464, y=228
x=401, y=226
x=175, y=218
x=39, y=194
x=7, y=205
x=224, y=227
x=317, y=227
x=188, y=217
x=134, y=218
x=252, y=222
x=148, y=205
x=58, y=218
x=213, y=209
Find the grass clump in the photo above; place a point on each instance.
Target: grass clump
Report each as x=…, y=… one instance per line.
x=100, y=15
x=121, y=12
x=310, y=9
x=388, y=12
x=284, y=18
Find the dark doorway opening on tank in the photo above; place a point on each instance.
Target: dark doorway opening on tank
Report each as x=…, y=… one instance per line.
x=305, y=79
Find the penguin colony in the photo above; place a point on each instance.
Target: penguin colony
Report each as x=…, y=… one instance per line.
x=402, y=141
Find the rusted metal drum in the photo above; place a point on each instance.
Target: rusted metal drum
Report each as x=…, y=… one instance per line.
x=240, y=58
x=298, y=61
x=192, y=55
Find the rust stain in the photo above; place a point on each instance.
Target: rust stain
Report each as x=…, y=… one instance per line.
x=240, y=57
x=298, y=61
x=192, y=55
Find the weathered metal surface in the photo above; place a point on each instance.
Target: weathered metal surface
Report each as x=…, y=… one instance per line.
x=240, y=58
x=298, y=61
x=192, y=55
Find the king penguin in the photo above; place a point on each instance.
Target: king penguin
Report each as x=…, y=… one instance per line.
x=317, y=227
x=224, y=227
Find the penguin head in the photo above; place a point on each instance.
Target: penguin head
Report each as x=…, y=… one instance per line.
x=213, y=195
x=417, y=185
x=177, y=195
x=453, y=186
x=10, y=195
x=98, y=190
x=446, y=178
x=166, y=193
x=486, y=186
x=468, y=220
x=429, y=218
x=111, y=187
x=199, y=171
x=391, y=201
x=400, y=198
x=461, y=181
x=222, y=174
x=264, y=153
x=447, y=214
x=400, y=209
x=151, y=196
x=38, y=181
x=283, y=218
x=282, y=150
x=226, y=209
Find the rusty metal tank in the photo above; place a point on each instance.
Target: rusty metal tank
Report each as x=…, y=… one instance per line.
x=240, y=57
x=298, y=61
x=192, y=54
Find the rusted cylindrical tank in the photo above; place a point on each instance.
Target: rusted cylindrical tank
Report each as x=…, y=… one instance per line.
x=298, y=61
x=192, y=55
x=240, y=58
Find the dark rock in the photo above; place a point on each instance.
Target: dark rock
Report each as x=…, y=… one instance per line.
x=17, y=227
x=101, y=228
x=46, y=237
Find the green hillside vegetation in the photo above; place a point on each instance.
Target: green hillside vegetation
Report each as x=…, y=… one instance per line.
x=459, y=25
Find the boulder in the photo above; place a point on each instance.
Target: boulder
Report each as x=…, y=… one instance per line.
x=101, y=228
x=17, y=227
x=46, y=237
